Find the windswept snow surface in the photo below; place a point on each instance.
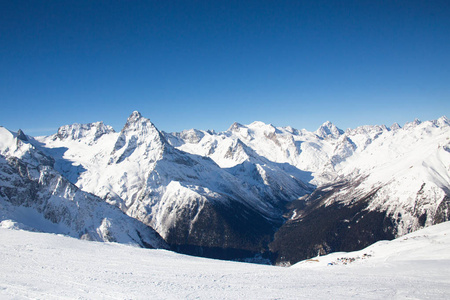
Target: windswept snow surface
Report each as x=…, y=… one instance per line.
x=48, y=266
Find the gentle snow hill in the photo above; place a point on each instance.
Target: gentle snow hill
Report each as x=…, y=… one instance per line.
x=47, y=266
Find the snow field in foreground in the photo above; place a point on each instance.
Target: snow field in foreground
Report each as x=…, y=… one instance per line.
x=48, y=266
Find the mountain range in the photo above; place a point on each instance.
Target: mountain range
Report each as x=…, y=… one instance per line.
x=254, y=192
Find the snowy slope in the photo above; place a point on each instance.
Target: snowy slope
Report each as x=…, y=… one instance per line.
x=46, y=266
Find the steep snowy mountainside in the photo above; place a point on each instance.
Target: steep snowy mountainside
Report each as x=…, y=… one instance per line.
x=303, y=150
x=403, y=164
x=328, y=129
x=326, y=153
x=18, y=145
x=39, y=198
x=244, y=162
x=176, y=192
x=397, y=183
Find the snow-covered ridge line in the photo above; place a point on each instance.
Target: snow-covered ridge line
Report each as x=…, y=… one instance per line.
x=90, y=131
x=232, y=190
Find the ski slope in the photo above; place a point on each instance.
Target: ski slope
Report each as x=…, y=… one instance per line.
x=47, y=266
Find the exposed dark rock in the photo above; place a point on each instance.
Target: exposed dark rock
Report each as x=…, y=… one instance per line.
x=443, y=211
x=323, y=229
x=221, y=231
x=21, y=136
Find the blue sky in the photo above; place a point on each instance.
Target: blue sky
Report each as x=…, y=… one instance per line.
x=207, y=64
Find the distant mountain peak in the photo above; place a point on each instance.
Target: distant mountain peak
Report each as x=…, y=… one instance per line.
x=395, y=126
x=328, y=129
x=442, y=121
x=93, y=131
x=136, y=122
x=137, y=132
x=259, y=124
x=412, y=124
x=21, y=136
x=135, y=115
x=235, y=126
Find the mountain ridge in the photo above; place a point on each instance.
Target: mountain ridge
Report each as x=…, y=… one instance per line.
x=247, y=190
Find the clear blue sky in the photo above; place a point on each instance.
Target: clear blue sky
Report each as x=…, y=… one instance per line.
x=207, y=64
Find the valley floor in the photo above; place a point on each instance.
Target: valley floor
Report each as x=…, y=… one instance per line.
x=48, y=266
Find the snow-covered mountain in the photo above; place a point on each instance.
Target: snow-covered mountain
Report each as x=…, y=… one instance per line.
x=188, y=199
x=34, y=196
x=230, y=194
x=396, y=178
x=395, y=182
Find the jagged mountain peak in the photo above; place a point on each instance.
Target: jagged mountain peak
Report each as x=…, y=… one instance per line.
x=137, y=122
x=395, y=126
x=328, y=129
x=192, y=136
x=138, y=132
x=412, y=124
x=135, y=117
x=238, y=151
x=21, y=136
x=141, y=128
x=90, y=132
x=235, y=126
x=443, y=121
x=135, y=114
x=292, y=130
